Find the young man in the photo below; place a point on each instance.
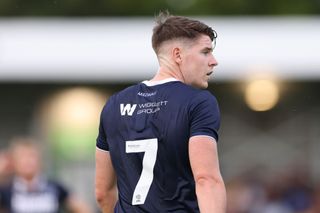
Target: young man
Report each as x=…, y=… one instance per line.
x=158, y=139
x=30, y=190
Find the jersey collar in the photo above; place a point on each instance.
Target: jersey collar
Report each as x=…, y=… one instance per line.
x=154, y=83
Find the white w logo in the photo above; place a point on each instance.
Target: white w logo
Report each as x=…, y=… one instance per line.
x=128, y=109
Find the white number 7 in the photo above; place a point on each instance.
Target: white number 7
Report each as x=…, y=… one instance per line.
x=150, y=147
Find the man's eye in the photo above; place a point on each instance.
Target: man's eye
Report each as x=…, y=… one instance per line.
x=207, y=52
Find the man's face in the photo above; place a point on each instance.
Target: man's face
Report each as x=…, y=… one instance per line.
x=198, y=62
x=26, y=161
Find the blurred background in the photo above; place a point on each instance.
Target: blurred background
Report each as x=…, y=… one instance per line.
x=61, y=60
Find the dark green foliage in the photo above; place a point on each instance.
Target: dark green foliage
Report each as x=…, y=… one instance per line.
x=150, y=7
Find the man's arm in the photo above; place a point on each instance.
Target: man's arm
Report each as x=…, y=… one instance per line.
x=210, y=188
x=105, y=182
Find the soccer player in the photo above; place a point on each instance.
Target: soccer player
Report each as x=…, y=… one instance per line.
x=29, y=190
x=157, y=143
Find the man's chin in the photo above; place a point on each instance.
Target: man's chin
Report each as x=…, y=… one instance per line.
x=203, y=85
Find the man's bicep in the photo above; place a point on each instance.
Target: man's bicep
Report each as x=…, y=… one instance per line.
x=203, y=155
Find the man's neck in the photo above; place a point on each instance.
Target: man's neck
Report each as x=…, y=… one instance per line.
x=165, y=73
x=27, y=183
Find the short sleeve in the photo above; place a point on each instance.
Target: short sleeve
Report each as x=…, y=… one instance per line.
x=5, y=194
x=101, y=141
x=204, y=115
x=63, y=193
x=1, y=197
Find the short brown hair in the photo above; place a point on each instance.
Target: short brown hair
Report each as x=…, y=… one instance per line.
x=25, y=142
x=170, y=27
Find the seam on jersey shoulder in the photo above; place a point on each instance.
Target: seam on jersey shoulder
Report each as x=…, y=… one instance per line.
x=102, y=149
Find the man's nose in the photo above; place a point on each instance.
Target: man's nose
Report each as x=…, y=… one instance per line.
x=213, y=62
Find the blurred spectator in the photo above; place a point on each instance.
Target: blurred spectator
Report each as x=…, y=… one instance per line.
x=298, y=192
x=246, y=194
x=288, y=191
x=5, y=167
x=29, y=190
x=315, y=204
x=239, y=197
x=275, y=186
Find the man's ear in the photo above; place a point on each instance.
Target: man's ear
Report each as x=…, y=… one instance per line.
x=177, y=55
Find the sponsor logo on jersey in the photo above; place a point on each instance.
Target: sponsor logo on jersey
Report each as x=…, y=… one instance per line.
x=147, y=108
x=127, y=109
x=151, y=107
x=147, y=94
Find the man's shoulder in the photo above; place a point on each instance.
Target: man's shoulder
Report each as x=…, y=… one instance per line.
x=6, y=190
x=54, y=182
x=125, y=92
x=6, y=186
x=194, y=94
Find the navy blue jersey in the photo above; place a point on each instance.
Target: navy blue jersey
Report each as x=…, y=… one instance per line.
x=45, y=196
x=146, y=129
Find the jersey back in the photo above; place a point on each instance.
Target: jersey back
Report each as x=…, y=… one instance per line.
x=146, y=129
